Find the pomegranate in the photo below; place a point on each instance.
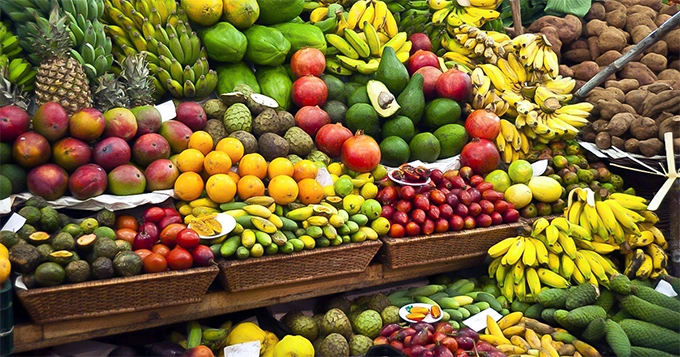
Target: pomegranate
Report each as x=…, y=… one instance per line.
x=311, y=119
x=454, y=84
x=483, y=124
x=481, y=155
x=330, y=137
x=420, y=41
x=421, y=59
x=307, y=61
x=361, y=153
x=309, y=90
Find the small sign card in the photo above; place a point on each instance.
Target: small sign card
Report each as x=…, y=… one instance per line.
x=247, y=349
x=478, y=322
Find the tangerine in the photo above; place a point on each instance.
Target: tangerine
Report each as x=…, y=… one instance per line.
x=221, y=188
x=217, y=162
x=305, y=169
x=234, y=175
x=126, y=234
x=190, y=160
x=233, y=147
x=249, y=186
x=126, y=221
x=280, y=166
x=283, y=189
x=189, y=186
x=155, y=263
x=310, y=191
x=253, y=164
x=202, y=141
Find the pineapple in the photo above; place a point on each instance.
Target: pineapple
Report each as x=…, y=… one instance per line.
x=11, y=95
x=60, y=77
x=110, y=93
x=137, y=80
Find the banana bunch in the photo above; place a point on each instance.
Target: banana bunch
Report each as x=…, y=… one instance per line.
x=173, y=50
x=92, y=48
x=473, y=42
x=374, y=12
x=330, y=19
x=512, y=143
x=9, y=43
x=451, y=12
x=417, y=19
x=536, y=52
x=197, y=334
x=650, y=262
x=19, y=72
x=544, y=127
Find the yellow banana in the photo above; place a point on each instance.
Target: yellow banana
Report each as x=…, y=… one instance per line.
x=494, y=329
x=496, y=75
x=646, y=268
x=552, y=234
x=342, y=45
x=607, y=216
x=359, y=44
x=567, y=267
x=551, y=278
x=502, y=247
x=622, y=215
x=368, y=15
x=356, y=12
x=493, y=267
x=521, y=289
x=518, y=271
x=515, y=251
x=439, y=4
x=582, y=265
x=318, y=14
x=659, y=257
x=372, y=39
x=554, y=262
x=529, y=256
x=541, y=250
x=533, y=281
x=380, y=15
x=632, y=202
x=391, y=26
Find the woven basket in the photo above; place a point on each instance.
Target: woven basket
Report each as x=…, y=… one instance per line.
x=253, y=273
x=117, y=295
x=421, y=250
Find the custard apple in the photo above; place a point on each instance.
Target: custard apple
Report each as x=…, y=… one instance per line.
x=336, y=321
x=359, y=345
x=216, y=130
x=247, y=139
x=237, y=117
x=368, y=323
x=215, y=108
x=318, y=156
x=272, y=146
x=390, y=315
x=304, y=326
x=266, y=122
x=300, y=142
x=334, y=345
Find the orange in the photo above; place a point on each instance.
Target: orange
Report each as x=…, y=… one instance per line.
x=127, y=222
x=249, y=186
x=305, y=169
x=190, y=160
x=188, y=186
x=283, y=189
x=280, y=166
x=202, y=141
x=217, y=162
x=221, y=188
x=253, y=164
x=231, y=146
x=310, y=191
x=234, y=176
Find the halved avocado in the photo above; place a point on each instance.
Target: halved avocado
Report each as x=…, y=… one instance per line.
x=86, y=242
x=384, y=102
x=61, y=257
x=25, y=231
x=38, y=238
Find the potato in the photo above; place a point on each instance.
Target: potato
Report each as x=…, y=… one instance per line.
x=585, y=70
x=599, y=125
x=578, y=44
x=608, y=57
x=632, y=145
x=668, y=9
x=675, y=64
x=653, y=4
x=635, y=98
x=603, y=140
x=655, y=62
x=639, y=32
x=576, y=56
x=619, y=124
x=661, y=18
x=597, y=11
x=638, y=71
x=611, y=39
x=670, y=125
x=593, y=47
x=616, y=18
x=672, y=39
x=579, y=83
x=616, y=93
x=553, y=37
x=565, y=71
x=618, y=142
x=595, y=27
x=639, y=19
x=590, y=137
x=569, y=28
x=659, y=47
x=651, y=147
x=609, y=107
x=643, y=128
x=613, y=6
x=625, y=85
x=628, y=108
x=639, y=9
x=670, y=74
x=661, y=117
x=629, y=3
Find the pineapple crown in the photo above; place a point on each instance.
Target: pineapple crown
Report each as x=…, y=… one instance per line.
x=50, y=37
x=136, y=77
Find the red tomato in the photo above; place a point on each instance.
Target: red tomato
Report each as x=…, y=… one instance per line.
x=188, y=238
x=180, y=259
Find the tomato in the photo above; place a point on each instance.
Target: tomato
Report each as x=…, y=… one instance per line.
x=180, y=259
x=161, y=249
x=143, y=253
x=169, y=234
x=127, y=222
x=154, y=214
x=155, y=263
x=126, y=234
x=188, y=238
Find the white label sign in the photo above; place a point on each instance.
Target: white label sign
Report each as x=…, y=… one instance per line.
x=167, y=110
x=478, y=322
x=14, y=223
x=247, y=349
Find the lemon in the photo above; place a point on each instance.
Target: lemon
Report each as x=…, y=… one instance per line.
x=519, y=195
x=203, y=12
x=369, y=190
x=328, y=191
x=335, y=168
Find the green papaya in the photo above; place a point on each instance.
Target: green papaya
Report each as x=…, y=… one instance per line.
x=279, y=11
x=266, y=46
x=229, y=75
x=224, y=42
x=302, y=35
x=274, y=82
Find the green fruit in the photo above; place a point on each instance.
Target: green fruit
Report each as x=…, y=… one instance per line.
x=649, y=335
x=63, y=241
x=61, y=257
x=44, y=250
x=359, y=95
x=102, y=268
x=361, y=78
x=335, y=87
x=127, y=263
x=302, y=36
x=500, y=180
x=336, y=110
x=104, y=247
x=274, y=82
x=49, y=219
x=73, y=229
x=266, y=45
x=368, y=323
x=278, y=11
x=32, y=214
x=392, y=72
x=452, y=138
x=583, y=294
x=349, y=88
x=362, y=116
x=394, y=151
x=520, y=171
x=442, y=111
x=384, y=102
x=16, y=175
x=400, y=126
x=5, y=153
x=77, y=271
x=5, y=187
x=238, y=117
x=230, y=75
x=371, y=209
x=412, y=99
x=618, y=340
x=9, y=239
x=88, y=225
x=224, y=43
x=343, y=186
x=106, y=218
x=50, y=274
x=105, y=232
x=424, y=147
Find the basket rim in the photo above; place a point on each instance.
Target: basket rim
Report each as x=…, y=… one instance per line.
x=224, y=263
x=117, y=281
x=451, y=234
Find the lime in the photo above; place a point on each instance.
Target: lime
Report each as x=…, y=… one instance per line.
x=424, y=147
x=394, y=151
x=519, y=195
x=379, y=172
x=500, y=180
x=343, y=186
x=520, y=171
x=452, y=138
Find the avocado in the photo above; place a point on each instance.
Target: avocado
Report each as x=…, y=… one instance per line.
x=106, y=218
x=61, y=257
x=384, y=102
x=102, y=268
x=412, y=99
x=123, y=245
x=400, y=126
x=362, y=116
x=360, y=95
x=50, y=274
x=127, y=264
x=77, y=271
x=31, y=214
x=16, y=175
x=25, y=231
x=44, y=250
x=38, y=238
x=104, y=247
x=37, y=202
x=73, y=229
x=64, y=220
x=392, y=72
x=49, y=219
x=29, y=280
x=105, y=232
x=63, y=241
x=350, y=87
x=9, y=239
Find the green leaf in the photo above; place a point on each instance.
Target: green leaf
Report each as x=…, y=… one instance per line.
x=561, y=7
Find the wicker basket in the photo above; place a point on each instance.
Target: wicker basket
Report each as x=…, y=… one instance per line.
x=253, y=273
x=420, y=250
x=117, y=295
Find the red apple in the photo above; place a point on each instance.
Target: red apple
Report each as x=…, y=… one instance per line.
x=430, y=76
x=483, y=124
x=307, y=61
x=422, y=59
x=481, y=155
x=420, y=41
x=454, y=84
x=309, y=90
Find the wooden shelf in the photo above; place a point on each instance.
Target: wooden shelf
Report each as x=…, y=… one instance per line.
x=32, y=336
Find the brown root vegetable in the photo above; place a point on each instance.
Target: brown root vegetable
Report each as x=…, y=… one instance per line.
x=659, y=47
x=638, y=71
x=618, y=142
x=565, y=71
x=651, y=147
x=616, y=93
x=594, y=47
x=577, y=56
x=628, y=108
x=655, y=62
x=595, y=27
x=663, y=116
x=599, y=125
x=657, y=87
x=639, y=32
x=652, y=4
x=640, y=9
x=675, y=64
x=672, y=39
x=639, y=19
x=585, y=70
x=616, y=18
x=597, y=11
x=625, y=85
x=665, y=101
x=590, y=137
x=607, y=58
x=569, y=28
x=670, y=125
x=579, y=83
x=668, y=9
x=670, y=74
x=553, y=37
x=636, y=98
x=603, y=140
x=661, y=18
x=619, y=124
x=613, y=6
x=609, y=107
x=611, y=39
x=643, y=128
x=578, y=44
x=632, y=145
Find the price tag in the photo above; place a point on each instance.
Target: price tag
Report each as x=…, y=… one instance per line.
x=539, y=167
x=14, y=223
x=478, y=322
x=247, y=349
x=167, y=110
x=665, y=288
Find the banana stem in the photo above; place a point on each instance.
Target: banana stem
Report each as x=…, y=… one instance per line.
x=517, y=17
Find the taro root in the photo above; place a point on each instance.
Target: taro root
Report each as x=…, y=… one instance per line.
x=618, y=142
x=632, y=145
x=565, y=71
x=651, y=147
x=603, y=140
x=655, y=62
x=640, y=32
x=577, y=56
x=611, y=39
x=670, y=125
x=585, y=70
x=638, y=71
x=597, y=11
x=643, y=128
x=636, y=98
x=625, y=85
x=569, y=28
x=672, y=39
x=607, y=58
x=619, y=124
x=639, y=19
x=616, y=18
x=595, y=28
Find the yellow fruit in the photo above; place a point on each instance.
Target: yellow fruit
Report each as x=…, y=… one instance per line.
x=305, y=169
x=5, y=269
x=190, y=160
x=369, y=190
x=328, y=191
x=245, y=332
x=519, y=195
x=241, y=13
x=234, y=176
x=294, y=346
x=335, y=168
x=545, y=189
x=220, y=188
x=231, y=146
x=249, y=186
x=188, y=186
x=253, y=164
x=520, y=171
x=280, y=166
x=203, y=12
x=310, y=191
x=4, y=253
x=202, y=141
x=381, y=225
x=217, y=162
x=283, y=189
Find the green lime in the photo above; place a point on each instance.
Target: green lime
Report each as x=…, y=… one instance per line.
x=394, y=151
x=520, y=171
x=400, y=126
x=452, y=138
x=424, y=147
